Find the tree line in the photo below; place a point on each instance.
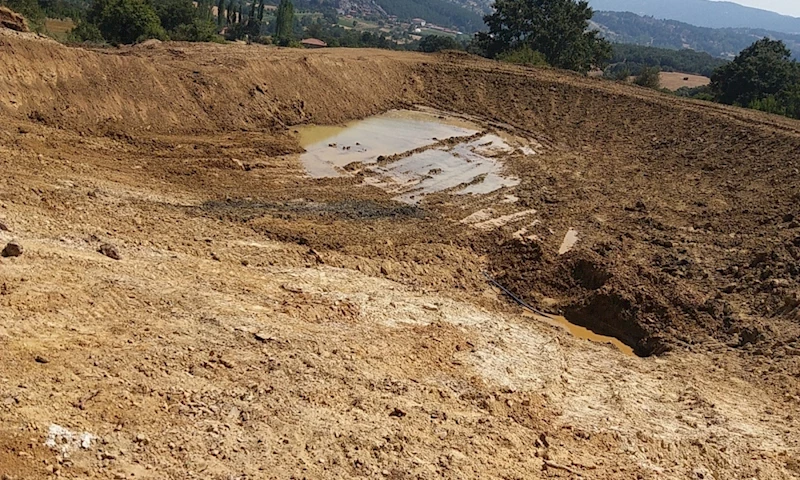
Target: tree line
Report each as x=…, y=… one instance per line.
x=634, y=58
x=129, y=21
x=440, y=12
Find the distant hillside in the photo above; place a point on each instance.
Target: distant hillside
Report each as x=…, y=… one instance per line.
x=720, y=42
x=704, y=13
x=634, y=57
x=440, y=12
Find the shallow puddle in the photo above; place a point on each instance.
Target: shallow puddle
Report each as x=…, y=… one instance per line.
x=329, y=149
x=439, y=169
x=581, y=332
x=468, y=167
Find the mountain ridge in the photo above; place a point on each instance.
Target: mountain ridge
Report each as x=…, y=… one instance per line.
x=704, y=13
x=626, y=27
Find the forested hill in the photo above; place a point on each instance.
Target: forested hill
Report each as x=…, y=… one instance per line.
x=721, y=42
x=440, y=12
x=704, y=13
x=687, y=61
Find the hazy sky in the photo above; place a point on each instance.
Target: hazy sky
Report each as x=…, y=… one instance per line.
x=786, y=7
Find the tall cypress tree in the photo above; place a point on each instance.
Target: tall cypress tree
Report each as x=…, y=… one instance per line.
x=220, y=12
x=284, y=21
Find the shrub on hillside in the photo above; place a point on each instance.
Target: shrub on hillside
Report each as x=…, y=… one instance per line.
x=700, y=93
x=437, y=43
x=85, y=32
x=649, y=77
x=619, y=72
x=197, y=31
x=175, y=13
x=524, y=55
x=126, y=21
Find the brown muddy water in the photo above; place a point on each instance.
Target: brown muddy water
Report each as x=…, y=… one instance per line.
x=423, y=165
x=581, y=332
x=330, y=148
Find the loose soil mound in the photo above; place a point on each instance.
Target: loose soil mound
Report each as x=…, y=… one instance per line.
x=185, y=88
x=12, y=20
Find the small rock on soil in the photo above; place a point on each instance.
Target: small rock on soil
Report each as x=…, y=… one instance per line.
x=109, y=251
x=13, y=249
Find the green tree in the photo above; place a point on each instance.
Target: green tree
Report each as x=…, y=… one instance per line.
x=284, y=22
x=85, y=32
x=649, y=77
x=200, y=30
x=437, y=43
x=557, y=29
x=173, y=13
x=761, y=70
x=125, y=21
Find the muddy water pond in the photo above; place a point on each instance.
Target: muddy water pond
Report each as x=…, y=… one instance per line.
x=330, y=148
x=429, y=152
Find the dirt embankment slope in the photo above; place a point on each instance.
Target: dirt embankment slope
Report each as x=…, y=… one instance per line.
x=178, y=88
x=263, y=324
x=690, y=209
x=12, y=20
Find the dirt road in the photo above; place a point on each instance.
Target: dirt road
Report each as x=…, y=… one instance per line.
x=260, y=323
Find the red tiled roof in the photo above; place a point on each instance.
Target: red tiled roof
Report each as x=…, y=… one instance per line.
x=314, y=42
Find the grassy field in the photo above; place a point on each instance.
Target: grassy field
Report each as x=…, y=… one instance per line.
x=59, y=28
x=676, y=80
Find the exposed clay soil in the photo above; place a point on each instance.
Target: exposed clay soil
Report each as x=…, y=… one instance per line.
x=263, y=324
x=12, y=20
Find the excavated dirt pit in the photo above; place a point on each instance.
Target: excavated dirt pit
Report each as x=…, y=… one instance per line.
x=413, y=154
x=255, y=321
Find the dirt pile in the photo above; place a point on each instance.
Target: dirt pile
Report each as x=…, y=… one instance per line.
x=184, y=88
x=12, y=20
x=191, y=304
